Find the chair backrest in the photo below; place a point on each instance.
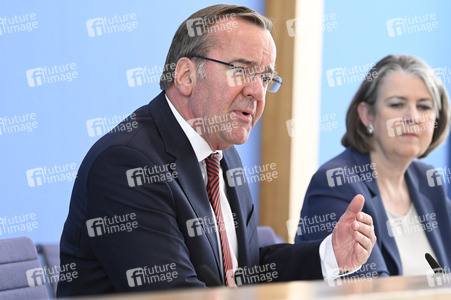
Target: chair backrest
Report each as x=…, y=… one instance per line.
x=267, y=236
x=21, y=275
x=50, y=258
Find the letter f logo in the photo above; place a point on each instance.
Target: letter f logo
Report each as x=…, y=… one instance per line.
x=94, y=27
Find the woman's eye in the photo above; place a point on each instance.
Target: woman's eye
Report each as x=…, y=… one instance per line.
x=240, y=69
x=396, y=104
x=425, y=107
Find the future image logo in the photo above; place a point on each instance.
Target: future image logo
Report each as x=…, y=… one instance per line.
x=109, y=25
x=194, y=227
x=316, y=223
x=397, y=226
x=151, y=174
x=135, y=77
x=235, y=77
x=207, y=225
x=18, y=224
x=35, y=77
x=214, y=124
x=350, y=74
x=35, y=277
x=401, y=126
x=366, y=272
x=18, y=23
x=437, y=177
x=411, y=224
x=395, y=27
x=236, y=177
x=53, y=274
x=241, y=76
x=103, y=125
x=328, y=22
x=348, y=175
x=438, y=277
x=252, y=275
x=200, y=26
x=434, y=177
x=326, y=122
x=149, y=275
x=292, y=26
x=409, y=25
x=48, y=175
x=257, y=173
x=110, y=225
x=444, y=73
x=150, y=75
x=18, y=123
x=50, y=75
x=195, y=27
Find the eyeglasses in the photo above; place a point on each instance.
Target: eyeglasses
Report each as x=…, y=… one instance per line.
x=241, y=75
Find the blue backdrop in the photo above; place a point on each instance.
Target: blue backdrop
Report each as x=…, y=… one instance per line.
x=71, y=70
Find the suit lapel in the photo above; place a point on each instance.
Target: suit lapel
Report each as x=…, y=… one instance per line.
x=381, y=220
x=233, y=193
x=191, y=181
x=425, y=208
x=187, y=167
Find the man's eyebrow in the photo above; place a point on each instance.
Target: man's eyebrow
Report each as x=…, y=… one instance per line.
x=251, y=64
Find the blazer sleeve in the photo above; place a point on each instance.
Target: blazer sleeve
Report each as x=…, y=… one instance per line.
x=156, y=241
x=293, y=262
x=322, y=208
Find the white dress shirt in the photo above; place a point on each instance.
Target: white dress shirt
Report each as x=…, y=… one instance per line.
x=202, y=150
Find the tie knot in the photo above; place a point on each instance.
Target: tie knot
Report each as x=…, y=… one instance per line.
x=213, y=160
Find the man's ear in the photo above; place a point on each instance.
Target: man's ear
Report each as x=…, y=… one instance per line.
x=364, y=114
x=185, y=76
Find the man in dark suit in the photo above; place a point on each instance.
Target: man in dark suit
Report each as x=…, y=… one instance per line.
x=151, y=208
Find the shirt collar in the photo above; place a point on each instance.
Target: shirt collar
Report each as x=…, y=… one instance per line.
x=200, y=146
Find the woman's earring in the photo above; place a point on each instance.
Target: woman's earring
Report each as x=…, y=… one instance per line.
x=370, y=129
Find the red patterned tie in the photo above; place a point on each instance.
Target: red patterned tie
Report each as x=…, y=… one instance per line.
x=213, y=194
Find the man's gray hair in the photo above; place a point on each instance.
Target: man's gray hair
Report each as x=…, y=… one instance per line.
x=187, y=41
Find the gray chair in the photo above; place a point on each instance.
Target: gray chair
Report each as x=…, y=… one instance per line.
x=267, y=236
x=21, y=275
x=50, y=258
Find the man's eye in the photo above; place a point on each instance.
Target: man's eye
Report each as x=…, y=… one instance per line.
x=240, y=70
x=266, y=78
